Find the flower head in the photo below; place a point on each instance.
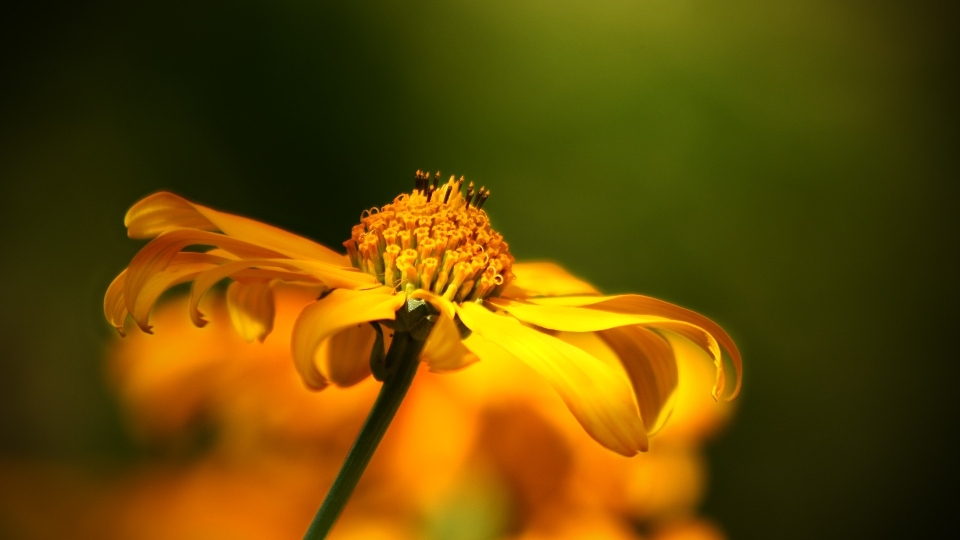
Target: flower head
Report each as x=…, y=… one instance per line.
x=433, y=248
x=436, y=240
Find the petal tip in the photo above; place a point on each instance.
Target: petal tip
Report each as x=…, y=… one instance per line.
x=196, y=317
x=315, y=386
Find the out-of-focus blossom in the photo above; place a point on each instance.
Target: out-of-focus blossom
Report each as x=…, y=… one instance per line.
x=233, y=448
x=434, y=246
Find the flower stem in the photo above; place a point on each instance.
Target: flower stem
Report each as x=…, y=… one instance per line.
x=403, y=357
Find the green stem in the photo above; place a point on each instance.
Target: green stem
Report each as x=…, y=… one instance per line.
x=404, y=356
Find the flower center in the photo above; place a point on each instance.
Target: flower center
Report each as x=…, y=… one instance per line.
x=437, y=239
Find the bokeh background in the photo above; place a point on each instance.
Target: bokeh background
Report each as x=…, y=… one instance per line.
x=786, y=168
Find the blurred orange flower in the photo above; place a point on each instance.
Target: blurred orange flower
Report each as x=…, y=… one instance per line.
x=236, y=449
x=611, y=359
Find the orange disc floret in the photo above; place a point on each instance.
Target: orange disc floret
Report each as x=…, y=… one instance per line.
x=436, y=239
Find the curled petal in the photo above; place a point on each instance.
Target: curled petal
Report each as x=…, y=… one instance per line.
x=570, y=319
x=443, y=351
x=114, y=306
x=690, y=324
x=183, y=268
x=252, y=308
x=651, y=366
x=161, y=251
x=304, y=271
x=164, y=211
x=347, y=355
x=161, y=212
x=298, y=272
x=598, y=396
x=545, y=279
x=337, y=311
x=635, y=303
x=705, y=340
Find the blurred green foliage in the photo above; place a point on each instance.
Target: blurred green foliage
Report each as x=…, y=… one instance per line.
x=786, y=168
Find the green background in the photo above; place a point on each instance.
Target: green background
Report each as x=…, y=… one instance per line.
x=786, y=168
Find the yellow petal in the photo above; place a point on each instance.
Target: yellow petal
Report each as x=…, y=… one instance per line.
x=570, y=319
x=334, y=276
x=599, y=397
x=444, y=352
x=705, y=340
x=265, y=269
x=327, y=274
x=635, y=303
x=252, y=309
x=699, y=329
x=544, y=279
x=114, y=307
x=569, y=301
x=160, y=252
x=183, y=268
x=649, y=362
x=164, y=211
x=346, y=355
x=337, y=311
x=695, y=416
x=161, y=212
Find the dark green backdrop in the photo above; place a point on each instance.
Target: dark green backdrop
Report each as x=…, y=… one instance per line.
x=787, y=168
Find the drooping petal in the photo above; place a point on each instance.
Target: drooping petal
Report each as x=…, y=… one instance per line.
x=183, y=268
x=307, y=271
x=337, y=311
x=252, y=308
x=690, y=324
x=650, y=363
x=705, y=340
x=304, y=272
x=635, y=303
x=164, y=211
x=570, y=319
x=161, y=212
x=347, y=355
x=599, y=397
x=544, y=279
x=114, y=306
x=444, y=351
x=161, y=251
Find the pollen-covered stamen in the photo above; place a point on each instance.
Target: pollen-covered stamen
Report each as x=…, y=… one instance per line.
x=422, y=180
x=482, y=199
x=469, y=193
x=436, y=239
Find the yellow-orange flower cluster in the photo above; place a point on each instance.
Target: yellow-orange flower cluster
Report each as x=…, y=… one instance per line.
x=435, y=239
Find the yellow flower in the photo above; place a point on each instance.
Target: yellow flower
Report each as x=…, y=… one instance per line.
x=433, y=246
